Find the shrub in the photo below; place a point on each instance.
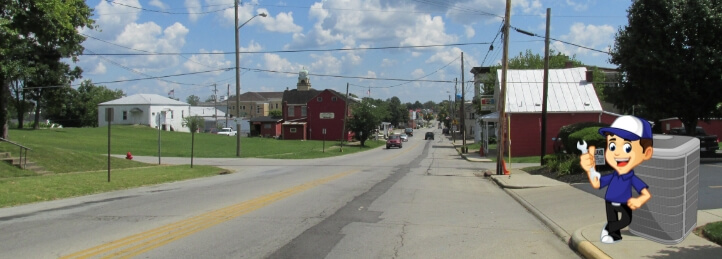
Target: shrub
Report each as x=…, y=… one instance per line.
x=552, y=161
x=567, y=130
x=590, y=135
x=569, y=166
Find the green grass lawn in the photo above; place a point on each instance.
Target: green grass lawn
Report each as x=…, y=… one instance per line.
x=85, y=149
x=77, y=159
x=21, y=190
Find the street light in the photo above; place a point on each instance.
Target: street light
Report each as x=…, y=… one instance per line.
x=238, y=79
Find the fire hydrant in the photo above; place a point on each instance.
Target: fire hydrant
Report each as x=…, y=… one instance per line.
x=129, y=156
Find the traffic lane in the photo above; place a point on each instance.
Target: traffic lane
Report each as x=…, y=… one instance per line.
x=710, y=187
x=438, y=211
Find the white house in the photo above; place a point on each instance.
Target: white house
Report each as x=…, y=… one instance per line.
x=146, y=109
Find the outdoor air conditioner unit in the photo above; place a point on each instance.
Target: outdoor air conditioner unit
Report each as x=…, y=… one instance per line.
x=673, y=178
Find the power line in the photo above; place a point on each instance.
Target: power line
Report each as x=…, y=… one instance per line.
x=166, y=12
x=287, y=51
x=573, y=44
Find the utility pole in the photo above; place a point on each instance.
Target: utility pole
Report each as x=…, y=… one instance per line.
x=502, y=93
x=345, y=116
x=228, y=98
x=545, y=91
x=215, y=104
x=238, y=84
x=463, y=114
x=456, y=92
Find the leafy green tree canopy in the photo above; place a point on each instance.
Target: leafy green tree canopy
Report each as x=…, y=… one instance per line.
x=669, y=55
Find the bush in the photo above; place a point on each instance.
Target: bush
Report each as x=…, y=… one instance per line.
x=552, y=161
x=590, y=135
x=567, y=130
x=713, y=232
x=569, y=166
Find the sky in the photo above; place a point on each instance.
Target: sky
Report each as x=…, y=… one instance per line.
x=410, y=49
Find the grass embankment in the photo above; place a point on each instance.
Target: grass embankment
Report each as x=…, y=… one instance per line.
x=78, y=162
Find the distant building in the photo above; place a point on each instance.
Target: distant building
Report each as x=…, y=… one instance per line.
x=146, y=109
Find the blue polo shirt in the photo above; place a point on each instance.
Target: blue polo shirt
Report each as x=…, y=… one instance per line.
x=620, y=186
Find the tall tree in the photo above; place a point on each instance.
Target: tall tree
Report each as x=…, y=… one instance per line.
x=365, y=118
x=78, y=107
x=669, y=55
x=35, y=36
x=193, y=99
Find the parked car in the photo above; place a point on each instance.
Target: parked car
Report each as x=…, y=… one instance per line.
x=409, y=131
x=227, y=131
x=394, y=141
x=707, y=143
x=404, y=137
x=429, y=135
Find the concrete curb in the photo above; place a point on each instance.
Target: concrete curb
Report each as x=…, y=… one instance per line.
x=559, y=231
x=580, y=244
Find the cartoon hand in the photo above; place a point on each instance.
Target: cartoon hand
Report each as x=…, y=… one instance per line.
x=634, y=203
x=586, y=160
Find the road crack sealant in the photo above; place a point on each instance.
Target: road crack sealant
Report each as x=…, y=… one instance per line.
x=319, y=240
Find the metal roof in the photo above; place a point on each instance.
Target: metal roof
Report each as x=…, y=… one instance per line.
x=149, y=99
x=568, y=91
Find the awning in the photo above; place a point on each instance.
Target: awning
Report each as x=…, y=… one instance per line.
x=136, y=110
x=491, y=117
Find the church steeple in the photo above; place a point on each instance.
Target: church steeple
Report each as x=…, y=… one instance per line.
x=304, y=82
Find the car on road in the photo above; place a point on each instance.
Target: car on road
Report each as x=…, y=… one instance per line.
x=227, y=131
x=409, y=131
x=394, y=141
x=429, y=135
x=404, y=137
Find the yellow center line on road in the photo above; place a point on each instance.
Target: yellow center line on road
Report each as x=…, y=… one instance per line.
x=401, y=153
x=142, y=242
x=713, y=165
x=715, y=186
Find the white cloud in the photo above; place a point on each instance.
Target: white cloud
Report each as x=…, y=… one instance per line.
x=593, y=36
x=388, y=62
x=283, y=22
x=469, y=31
x=418, y=73
x=326, y=64
x=203, y=62
x=579, y=6
x=277, y=63
x=112, y=18
x=149, y=37
x=194, y=7
x=158, y=3
x=335, y=24
x=99, y=70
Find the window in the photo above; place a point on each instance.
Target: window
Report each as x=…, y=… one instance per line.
x=292, y=130
x=319, y=99
x=276, y=106
x=183, y=114
x=334, y=98
x=171, y=114
x=267, y=126
x=125, y=115
x=303, y=111
x=258, y=109
x=243, y=107
x=290, y=111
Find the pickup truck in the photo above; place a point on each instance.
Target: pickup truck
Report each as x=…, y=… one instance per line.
x=227, y=131
x=707, y=143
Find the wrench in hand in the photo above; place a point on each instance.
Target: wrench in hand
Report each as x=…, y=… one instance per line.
x=583, y=147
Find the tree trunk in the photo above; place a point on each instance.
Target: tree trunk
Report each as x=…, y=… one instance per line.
x=20, y=104
x=37, y=110
x=4, y=97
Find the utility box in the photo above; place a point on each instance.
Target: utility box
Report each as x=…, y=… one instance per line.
x=673, y=178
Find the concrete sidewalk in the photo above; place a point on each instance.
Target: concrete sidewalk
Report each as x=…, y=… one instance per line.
x=577, y=217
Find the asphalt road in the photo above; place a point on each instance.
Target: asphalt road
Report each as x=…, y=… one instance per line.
x=421, y=201
x=710, y=186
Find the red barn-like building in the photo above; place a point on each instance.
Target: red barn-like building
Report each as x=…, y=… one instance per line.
x=571, y=99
